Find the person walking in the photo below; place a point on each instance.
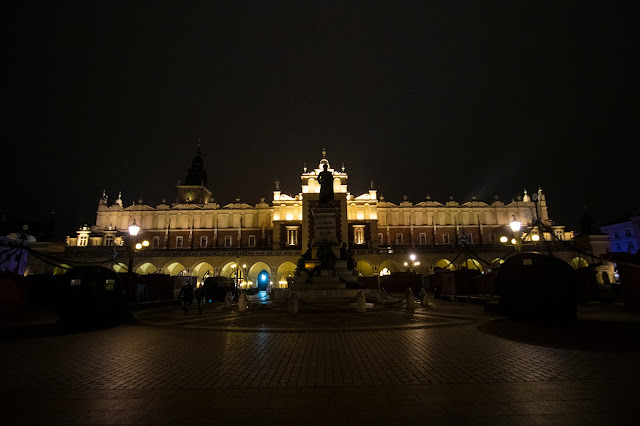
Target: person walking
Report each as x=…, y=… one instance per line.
x=201, y=297
x=186, y=296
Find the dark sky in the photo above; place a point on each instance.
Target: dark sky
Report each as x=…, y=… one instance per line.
x=442, y=98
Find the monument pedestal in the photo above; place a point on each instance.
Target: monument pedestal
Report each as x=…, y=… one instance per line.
x=325, y=279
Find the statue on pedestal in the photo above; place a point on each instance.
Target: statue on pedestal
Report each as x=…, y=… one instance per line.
x=326, y=185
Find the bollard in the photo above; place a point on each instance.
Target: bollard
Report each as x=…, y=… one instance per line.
x=242, y=302
x=424, y=302
x=293, y=303
x=228, y=300
x=411, y=301
x=361, y=302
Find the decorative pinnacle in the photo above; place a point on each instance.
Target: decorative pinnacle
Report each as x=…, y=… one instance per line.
x=324, y=153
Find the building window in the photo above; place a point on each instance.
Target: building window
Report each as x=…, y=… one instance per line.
x=358, y=234
x=108, y=240
x=227, y=241
x=179, y=242
x=203, y=241
x=558, y=234
x=492, y=238
x=398, y=238
x=445, y=238
x=292, y=235
x=423, y=238
x=83, y=240
x=615, y=235
x=627, y=232
x=156, y=242
x=630, y=247
x=252, y=240
x=617, y=246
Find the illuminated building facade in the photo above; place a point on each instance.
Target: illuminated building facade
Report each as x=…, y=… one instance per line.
x=196, y=236
x=624, y=235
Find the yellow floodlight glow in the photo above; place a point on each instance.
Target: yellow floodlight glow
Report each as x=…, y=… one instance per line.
x=145, y=243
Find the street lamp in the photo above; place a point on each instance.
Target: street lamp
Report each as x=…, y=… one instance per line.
x=515, y=225
x=411, y=266
x=133, y=232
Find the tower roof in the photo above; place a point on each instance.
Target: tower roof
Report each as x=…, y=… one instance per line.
x=196, y=174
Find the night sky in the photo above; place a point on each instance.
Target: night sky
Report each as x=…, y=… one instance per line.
x=445, y=98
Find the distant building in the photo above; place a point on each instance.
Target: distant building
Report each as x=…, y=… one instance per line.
x=196, y=236
x=624, y=234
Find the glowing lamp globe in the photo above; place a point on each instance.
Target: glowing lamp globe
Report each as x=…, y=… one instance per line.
x=535, y=237
x=503, y=239
x=134, y=229
x=515, y=225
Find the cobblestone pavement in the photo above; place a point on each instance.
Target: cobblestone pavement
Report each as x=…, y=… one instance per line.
x=450, y=364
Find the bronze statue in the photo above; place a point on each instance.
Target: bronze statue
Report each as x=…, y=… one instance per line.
x=326, y=185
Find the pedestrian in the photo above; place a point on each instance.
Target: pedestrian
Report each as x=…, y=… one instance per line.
x=186, y=296
x=201, y=297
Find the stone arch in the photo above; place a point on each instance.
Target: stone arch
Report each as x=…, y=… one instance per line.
x=425, y=269
x=228, y=269
x=472, y=264
x=174, y=268
x=256, y=268
x=119, y=267
x=389, y=266
x=146, y=268
x=285, y=271
x=201, y=268
x=444, y=264
x=364, y=268
x=578, y=263
x=61, y=270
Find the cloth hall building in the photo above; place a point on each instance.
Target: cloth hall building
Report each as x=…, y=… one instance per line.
x=198, y=237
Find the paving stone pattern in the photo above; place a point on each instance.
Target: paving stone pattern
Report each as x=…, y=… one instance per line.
x=168, y=369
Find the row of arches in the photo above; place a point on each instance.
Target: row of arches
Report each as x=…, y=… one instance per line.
x=286, y=269
x=390, y=266
x=257, y=272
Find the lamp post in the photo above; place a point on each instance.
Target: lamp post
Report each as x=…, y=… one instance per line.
x=239, y=275
x=133, y=232
x=411, y=266
x=515, y=225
